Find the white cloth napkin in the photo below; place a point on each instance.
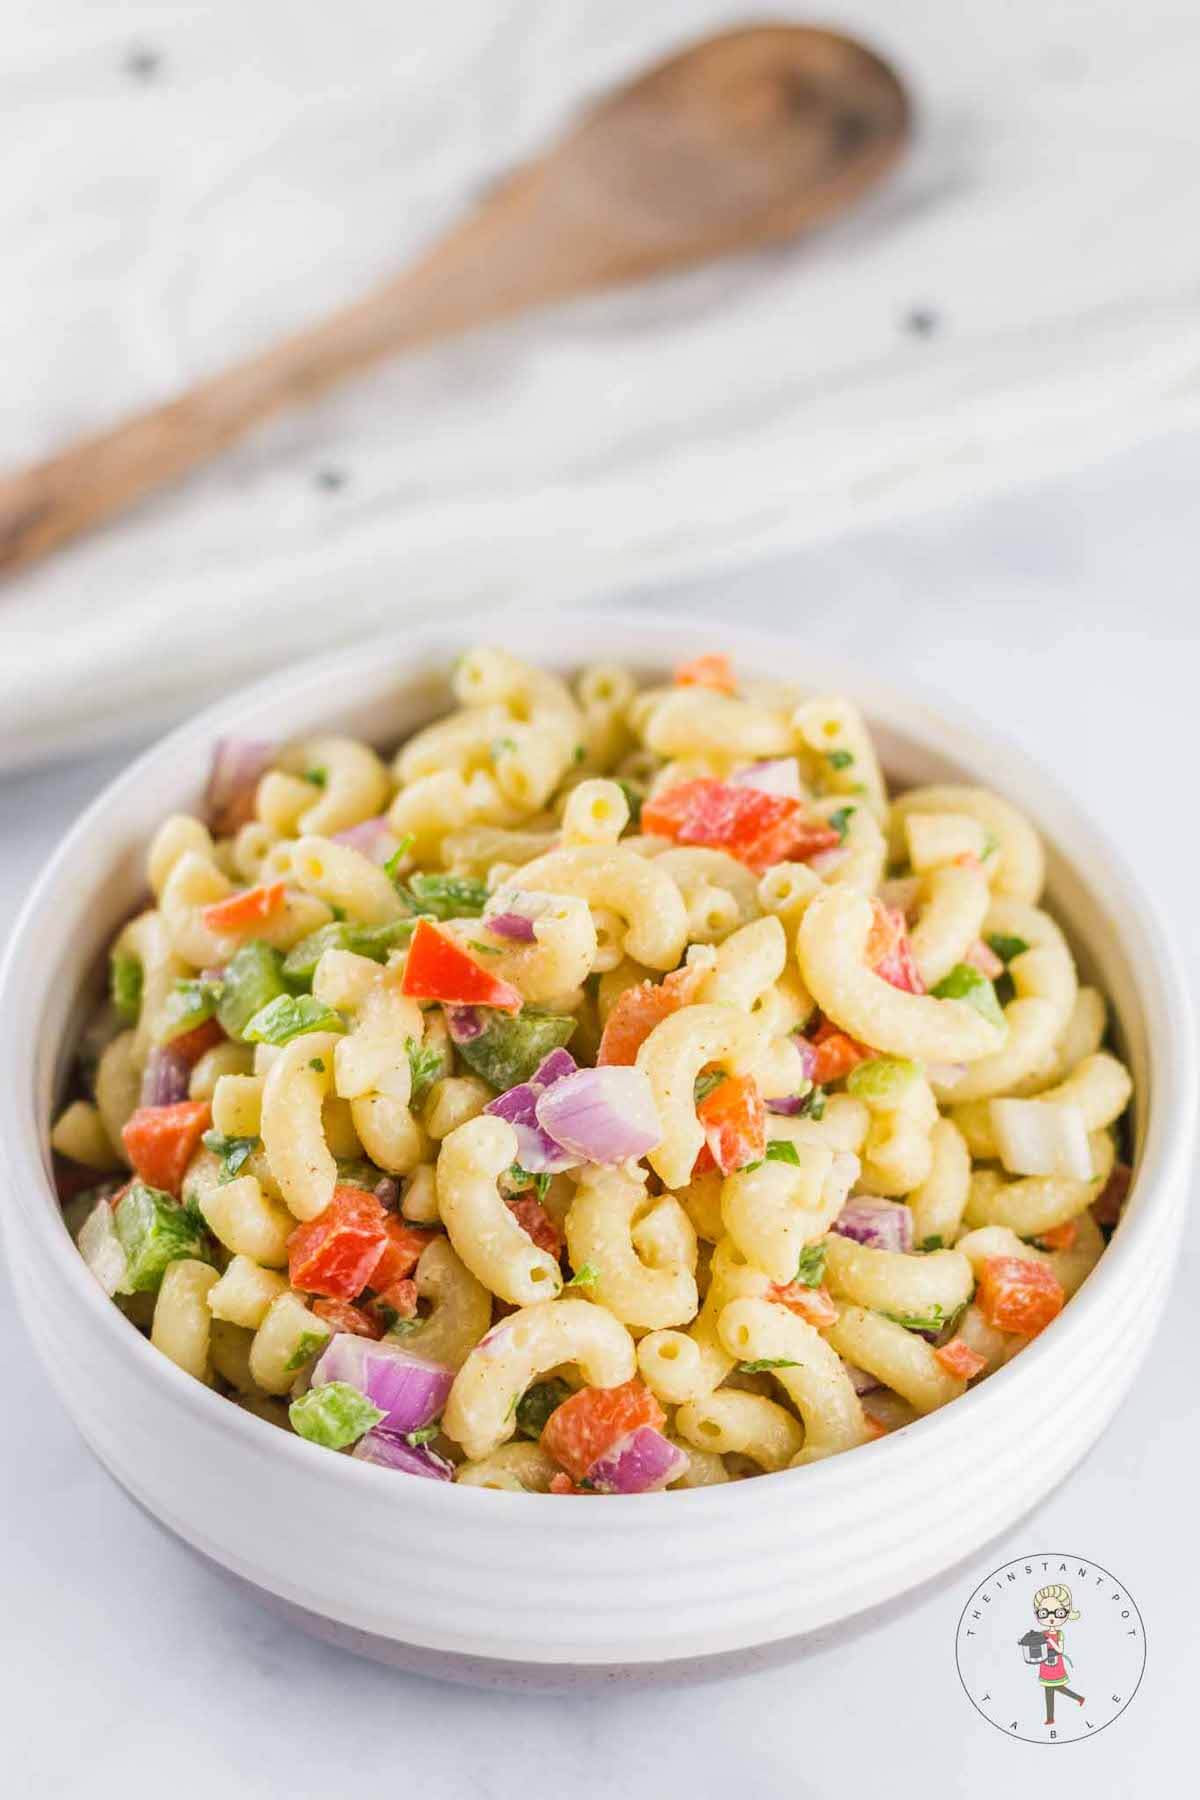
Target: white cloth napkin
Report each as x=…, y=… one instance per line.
x=182, y=183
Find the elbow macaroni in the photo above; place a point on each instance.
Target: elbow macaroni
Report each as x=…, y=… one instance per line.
x=709, y=1271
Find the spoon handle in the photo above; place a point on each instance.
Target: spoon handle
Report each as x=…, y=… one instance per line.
x=510, y=254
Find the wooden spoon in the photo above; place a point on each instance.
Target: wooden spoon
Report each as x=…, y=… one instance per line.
x=745, y=138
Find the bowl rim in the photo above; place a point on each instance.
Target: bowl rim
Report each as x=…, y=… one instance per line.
x=940, y=725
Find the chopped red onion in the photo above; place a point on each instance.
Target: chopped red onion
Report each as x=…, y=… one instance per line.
x=510, y=912
x=238, y=765
x=880, y=1224
x=389, y=1451
x=603, y=1115
x=537, y=1151
x=553, y=1067
x=373, y=838
x=511, y=925
x=463, y=1023
x=861, y=1380
x=781, y=775
x=165, y=1077
x=408, y=1390
x=642, y=1462
x=387, y=1192
x=791, y=1104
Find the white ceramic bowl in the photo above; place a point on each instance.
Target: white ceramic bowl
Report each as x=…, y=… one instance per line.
x=486, y=1585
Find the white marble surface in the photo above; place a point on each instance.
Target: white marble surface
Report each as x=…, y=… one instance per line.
x=185, y=181
x=1066, y=612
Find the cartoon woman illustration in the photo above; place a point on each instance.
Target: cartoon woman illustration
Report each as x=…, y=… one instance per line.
x=1051, y=1608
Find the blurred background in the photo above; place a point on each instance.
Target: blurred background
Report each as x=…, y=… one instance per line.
x=953, y=436
x=185, y=183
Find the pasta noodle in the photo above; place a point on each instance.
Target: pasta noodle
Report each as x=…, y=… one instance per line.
x=612, y=1089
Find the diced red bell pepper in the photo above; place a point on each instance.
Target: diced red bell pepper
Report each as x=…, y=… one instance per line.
x=580, y=1431
x=833, y=1053
x=191, y=1045
x=242, y=912
x=713, y=671
x=437, y=969
x=337, y=1253
x=735, y=1123
x=1059, y=1237
x=1018, y=1296
x=958, y=1358
x=340, y=1315
x=1106, y=1207
x=639, y=1009
x=162, y=1140
x=875, y=1427
x=401, y=1253
x=562, y=1484
x=889, y=951
x=756, y=827
x=813, y=1305
x=536, y=1222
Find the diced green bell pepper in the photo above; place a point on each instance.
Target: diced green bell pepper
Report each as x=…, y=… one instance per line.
x=290, y=1016
x=155, y=1230
x=333, y=1415
x=508, y=1050
x=253, y=977
x=375, y=941
x=965, y=983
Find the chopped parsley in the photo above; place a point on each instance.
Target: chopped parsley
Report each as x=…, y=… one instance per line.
x=934, y=1242
x=317, y=1064
x=538, y=1402
x=392, y=866
x=706, y=1085
x=522, y=1180
x=933, y=1320
x=427, y=1065
x=812, y=1104
x=234, y=1153
x=587, y=1275
x=810, y=1270
x=125, y=986
x=445, y=896
x=768, y=1362
x=839, y=759
x=307, y=1345
x=1006, y=947
x=840, y=821
x=501, y=746
x=634, y=802
x=782, y=1150
x=579, y=754
x=289, y=1016
x=318, y=777
x=484, y=949
x=424, y=1436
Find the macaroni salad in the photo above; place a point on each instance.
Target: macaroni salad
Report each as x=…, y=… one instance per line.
x=615, y=1091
